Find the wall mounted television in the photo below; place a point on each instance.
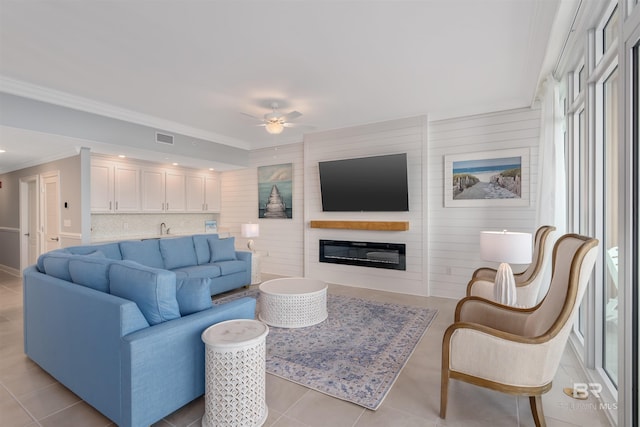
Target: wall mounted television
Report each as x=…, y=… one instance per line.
x=366, y=184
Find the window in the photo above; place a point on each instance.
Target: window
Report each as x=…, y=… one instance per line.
x=610, y=229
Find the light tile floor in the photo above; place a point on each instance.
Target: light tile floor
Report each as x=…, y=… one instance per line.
x=31, y=397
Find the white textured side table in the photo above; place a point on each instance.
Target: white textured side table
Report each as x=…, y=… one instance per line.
x=255, y=268
x=235, y=374
x=293, y=302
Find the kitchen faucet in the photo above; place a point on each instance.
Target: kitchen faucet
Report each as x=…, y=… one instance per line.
x=163, y=226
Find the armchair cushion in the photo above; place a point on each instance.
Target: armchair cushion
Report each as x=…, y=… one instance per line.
x=152, y=289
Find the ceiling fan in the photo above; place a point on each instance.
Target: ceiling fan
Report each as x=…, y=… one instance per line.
x=275, y=121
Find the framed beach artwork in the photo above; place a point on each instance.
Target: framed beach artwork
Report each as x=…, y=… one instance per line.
x=490, y=178
x=275, y=191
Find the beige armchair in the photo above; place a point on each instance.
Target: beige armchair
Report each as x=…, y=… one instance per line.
x=528, y=282
x=515, y=350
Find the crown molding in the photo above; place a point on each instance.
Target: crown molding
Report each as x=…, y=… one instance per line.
x=52, y=96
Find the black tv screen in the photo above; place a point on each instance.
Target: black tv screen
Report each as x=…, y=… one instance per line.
x=368, y=184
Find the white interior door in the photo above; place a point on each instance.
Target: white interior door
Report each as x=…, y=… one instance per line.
x=51, y=211
x=29, y=224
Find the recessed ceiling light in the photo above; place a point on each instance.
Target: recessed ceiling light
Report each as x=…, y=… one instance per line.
x=122, y=156
x=211, y=169
x=2, y=151
x=174, y=164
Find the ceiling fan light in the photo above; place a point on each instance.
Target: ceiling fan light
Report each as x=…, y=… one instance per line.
x=274, y=128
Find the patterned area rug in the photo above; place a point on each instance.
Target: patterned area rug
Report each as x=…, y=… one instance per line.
x=355, y=355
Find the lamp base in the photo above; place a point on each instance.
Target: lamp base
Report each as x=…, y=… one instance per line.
x=250, y=245
x=504, y=290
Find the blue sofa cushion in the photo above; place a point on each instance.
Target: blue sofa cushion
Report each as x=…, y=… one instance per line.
x=193, y=295
x=109, y=250
x=199, y=271
x=145, y=252
x=56, y=264
x=201, y=243
x=152, y=289
x=178, y=252
x=222, y=249
x=230, y=267
x=89, y=271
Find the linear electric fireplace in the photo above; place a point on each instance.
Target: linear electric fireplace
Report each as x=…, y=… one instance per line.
x=364, y=254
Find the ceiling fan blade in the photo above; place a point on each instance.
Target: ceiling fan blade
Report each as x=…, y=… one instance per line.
x=290, y=116
x=298, y=126
x=253, y=117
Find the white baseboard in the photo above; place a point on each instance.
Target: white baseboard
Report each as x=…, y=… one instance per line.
x=12, y=271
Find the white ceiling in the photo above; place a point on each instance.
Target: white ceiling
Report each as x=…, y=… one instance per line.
x=198, y=64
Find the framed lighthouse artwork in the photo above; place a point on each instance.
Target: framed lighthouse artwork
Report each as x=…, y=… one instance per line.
x=275, y=191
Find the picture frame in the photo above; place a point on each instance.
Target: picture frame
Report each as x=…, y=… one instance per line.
x=275, y=191
x=487, y=178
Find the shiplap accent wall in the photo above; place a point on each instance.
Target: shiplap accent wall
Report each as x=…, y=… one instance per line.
x=397, y=136
x=280, y=243
x=453, y=233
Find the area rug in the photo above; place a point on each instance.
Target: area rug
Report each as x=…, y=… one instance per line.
x=355, y=355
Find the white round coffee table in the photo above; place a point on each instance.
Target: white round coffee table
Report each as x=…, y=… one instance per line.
x=293, y=302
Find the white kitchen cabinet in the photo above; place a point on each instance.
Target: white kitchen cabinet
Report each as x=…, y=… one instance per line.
x=114, y=187
x=203, y=193
x=102, y=187
x=195, y=193
x=175, y=187
x=163, y=191
x=212, y=193
x=127, y=188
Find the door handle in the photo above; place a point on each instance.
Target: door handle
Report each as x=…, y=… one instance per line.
x=28, y=234
x=54, y=238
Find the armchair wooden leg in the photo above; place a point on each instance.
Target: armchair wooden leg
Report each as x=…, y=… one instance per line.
x=536, y=410
x=444, y=391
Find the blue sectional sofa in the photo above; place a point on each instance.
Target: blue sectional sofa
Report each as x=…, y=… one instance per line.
x=125, y=336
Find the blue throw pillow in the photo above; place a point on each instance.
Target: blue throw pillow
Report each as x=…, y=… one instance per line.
x=178, y=252
x=193, y=295
x=56, y=264
x=90, y=271
x=222, y=249
x=201, y=243
x=145, y=252
x=152, y=289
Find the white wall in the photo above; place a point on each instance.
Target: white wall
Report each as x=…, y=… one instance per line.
x=453, y=233
x=397, y=136
x=282, y=239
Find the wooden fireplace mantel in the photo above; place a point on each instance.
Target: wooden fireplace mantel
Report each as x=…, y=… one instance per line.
x=362, y=225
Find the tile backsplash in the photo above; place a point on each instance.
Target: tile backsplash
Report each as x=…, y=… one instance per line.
x=106, y=227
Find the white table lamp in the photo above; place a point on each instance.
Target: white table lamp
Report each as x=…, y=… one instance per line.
x=505, y=247
x=249, y=231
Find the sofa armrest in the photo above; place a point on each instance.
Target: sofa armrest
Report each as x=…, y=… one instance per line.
x=74, y=333
x=163, y=365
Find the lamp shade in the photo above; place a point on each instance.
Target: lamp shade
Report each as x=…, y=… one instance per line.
x=505, y=246
x=250, y=230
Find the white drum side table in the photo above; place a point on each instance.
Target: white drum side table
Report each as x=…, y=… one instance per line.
x=293, y=302
x=235, y=374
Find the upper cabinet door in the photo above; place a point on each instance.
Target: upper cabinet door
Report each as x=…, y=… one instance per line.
x=102, y=196
x=212, y=193
x=153, y=188
x=175, y=197
x=127, y=188
x=195, y=193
